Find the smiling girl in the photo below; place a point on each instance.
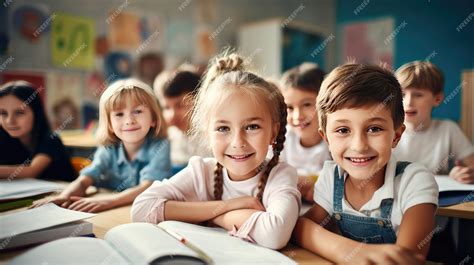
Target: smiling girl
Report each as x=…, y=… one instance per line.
x=238, y=115
x=29, y=148
x=135, y=151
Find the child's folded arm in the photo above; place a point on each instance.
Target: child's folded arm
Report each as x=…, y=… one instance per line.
x=272, y=228
x=149, y=206
x=183, y=197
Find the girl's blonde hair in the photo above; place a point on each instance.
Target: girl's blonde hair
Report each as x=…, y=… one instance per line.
x=116, y=97
x=225, y=76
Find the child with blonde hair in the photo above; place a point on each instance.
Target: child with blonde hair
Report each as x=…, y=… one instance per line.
x=369, y=207
x=238, y=114
x=134, y=151
x=440, y=145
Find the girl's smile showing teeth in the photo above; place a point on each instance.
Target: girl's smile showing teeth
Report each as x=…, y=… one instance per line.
x=239, y=158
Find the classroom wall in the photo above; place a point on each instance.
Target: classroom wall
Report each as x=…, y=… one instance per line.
x=227, y=13
x=431, y=30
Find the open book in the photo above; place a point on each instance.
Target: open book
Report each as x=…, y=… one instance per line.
x=452, y=192
x=169, y=242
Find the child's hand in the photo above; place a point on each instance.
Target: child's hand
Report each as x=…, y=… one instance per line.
x=59, y=200
x=462, y=173
x=91, y=205
x=246, y=202
x=383, y=254
x=306, y=187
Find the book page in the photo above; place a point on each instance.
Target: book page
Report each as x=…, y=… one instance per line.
x=34, y=219
x=223, y=248
x=446, y=183
x=22, y=188
x=143, y=243
x=69, y=251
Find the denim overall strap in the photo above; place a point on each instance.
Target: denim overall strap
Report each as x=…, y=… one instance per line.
x=365, y=228
x=338, y=190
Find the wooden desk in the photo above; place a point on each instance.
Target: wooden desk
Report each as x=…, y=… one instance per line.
x=463, y=211
x=78, y=139
x=104, y=221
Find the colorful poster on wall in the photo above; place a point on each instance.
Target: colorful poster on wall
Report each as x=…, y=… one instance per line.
x=73, y=41
x=124, y=30
x=64, y=98
x=370, y=42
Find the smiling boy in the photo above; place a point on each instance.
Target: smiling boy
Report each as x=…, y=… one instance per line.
x=365, y=199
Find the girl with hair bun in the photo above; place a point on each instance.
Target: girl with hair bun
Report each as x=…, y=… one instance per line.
x=238, y=115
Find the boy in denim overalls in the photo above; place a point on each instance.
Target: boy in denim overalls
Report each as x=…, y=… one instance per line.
x=370, y=208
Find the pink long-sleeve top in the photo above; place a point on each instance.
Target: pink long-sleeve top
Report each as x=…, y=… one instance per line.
x=271, y=228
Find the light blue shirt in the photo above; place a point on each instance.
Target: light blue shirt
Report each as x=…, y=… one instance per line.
x=112, y=170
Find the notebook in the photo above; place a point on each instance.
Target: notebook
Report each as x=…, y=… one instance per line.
x=452, y=192
x=42, y=224
x=170, y=242
x=23, y=188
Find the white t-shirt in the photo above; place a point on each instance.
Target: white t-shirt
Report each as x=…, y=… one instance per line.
x=306, y=160
x=415, y=186
x=181, y=147
x=437, y=147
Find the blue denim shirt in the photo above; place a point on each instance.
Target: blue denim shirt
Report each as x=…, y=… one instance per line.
x=112, y=170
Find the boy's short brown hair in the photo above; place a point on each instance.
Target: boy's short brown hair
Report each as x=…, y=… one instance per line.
x=307, y=77
x=421, y=74
x=357, y=85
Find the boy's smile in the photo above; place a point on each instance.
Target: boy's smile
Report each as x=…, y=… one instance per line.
x=361, y=139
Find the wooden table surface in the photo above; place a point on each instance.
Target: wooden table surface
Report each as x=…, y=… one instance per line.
x=78, y=139
x=104, y=221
